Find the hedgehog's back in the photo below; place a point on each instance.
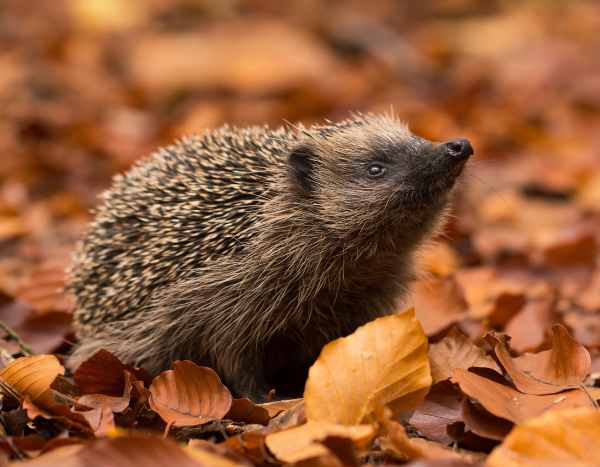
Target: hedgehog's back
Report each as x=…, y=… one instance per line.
x=170, y=214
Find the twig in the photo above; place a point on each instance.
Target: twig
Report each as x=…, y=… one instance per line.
x=25, y=349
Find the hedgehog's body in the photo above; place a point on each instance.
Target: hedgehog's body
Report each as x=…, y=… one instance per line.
x=248, y=250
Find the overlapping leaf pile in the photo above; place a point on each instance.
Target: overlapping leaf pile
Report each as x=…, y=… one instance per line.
x=360, y=395
x=506, y=372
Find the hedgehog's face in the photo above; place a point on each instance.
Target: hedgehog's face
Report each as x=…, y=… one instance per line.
x=364, y=180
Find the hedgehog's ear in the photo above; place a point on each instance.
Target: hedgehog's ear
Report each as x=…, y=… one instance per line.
x=301, y=163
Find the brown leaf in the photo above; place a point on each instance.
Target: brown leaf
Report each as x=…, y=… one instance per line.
x=527, y=328
x=250, y=444
x=571, y=247
x=189, y=395
x=565, y=437
x=397, y=443
x=149, y=451
x=305, y=441
x=381, y=362
x=441, y=408
x=102, y=373
x=246, y=411
x=100, y=417
x=505, y=402
x=276, y=407
x=263, y=63
x=482, y=423
x=438, y=303
x=44, y=288
x=456, y=351
x=566, y=365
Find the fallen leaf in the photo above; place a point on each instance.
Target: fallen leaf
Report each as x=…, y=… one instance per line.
x=505, y=402
x=571, y=247
x=102, y=373
x=246, y=411
x=438, y=303
x=32, y=377
x=44, y=288
x=100, y=417
x=263, y=61
x=214, y=455
x=305, y=441
x=189, y=395
x=397, y=443
x=251, y=444
x=381, y=362
x=561, y=437
x=528, y=328
x=483, y=423
x=585, y=326
x=566, y=365
x=441, y=408
x=456, y=351
x=276, y=407
x=122, y=451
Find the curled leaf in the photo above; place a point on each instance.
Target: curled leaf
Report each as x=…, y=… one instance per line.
x=32, y=377
x=189, y=395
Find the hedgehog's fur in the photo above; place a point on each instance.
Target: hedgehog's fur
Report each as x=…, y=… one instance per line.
x=248, y=249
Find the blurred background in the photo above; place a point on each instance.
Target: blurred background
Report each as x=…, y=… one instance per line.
x=89, y=86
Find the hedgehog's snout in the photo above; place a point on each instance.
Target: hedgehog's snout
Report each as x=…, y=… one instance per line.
x=459, y=149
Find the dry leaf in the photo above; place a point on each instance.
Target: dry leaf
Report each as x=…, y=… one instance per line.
x=304, y=442
x=189, y=395
x=100, y=417
x=401, y=446
x=483, y=423
x=214, y=455
x=246, y=411
x=456, y=351
x=528, y=328
x=505, y=402
x=102, y=373
x=383, y=361
x=32, y=377
x=441, y=408
x=561, y=438
x=251, y=444
x=438, y=303
x=276, y=407
x=126, y=451
x=567, y=364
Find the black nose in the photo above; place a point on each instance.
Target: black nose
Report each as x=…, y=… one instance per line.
x=459, y=148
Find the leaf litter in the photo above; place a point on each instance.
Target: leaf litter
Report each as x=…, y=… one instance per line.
x=502, y=353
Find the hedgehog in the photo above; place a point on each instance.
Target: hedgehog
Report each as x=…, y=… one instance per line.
x=248, y=249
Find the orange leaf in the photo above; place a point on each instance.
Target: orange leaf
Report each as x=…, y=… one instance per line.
x=32, y=376
x=383, y=361
x=505, y=402
x=567, y=364
x=304, y=441
x=189, y=395
x=456, y=351
x=562, y=437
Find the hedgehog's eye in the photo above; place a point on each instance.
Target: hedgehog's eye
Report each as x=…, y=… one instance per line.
x=375, y=170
